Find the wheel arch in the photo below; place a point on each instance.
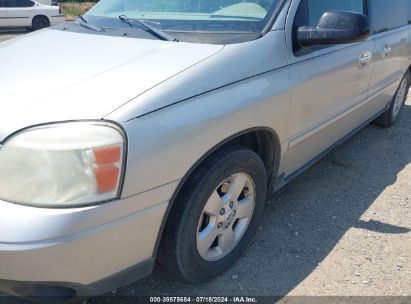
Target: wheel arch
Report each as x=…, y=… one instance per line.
x=262, y=140
x=40, y=16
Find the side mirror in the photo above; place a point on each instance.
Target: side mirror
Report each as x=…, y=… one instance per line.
x=337, y=27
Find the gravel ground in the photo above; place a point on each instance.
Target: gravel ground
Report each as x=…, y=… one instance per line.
x=340, y=229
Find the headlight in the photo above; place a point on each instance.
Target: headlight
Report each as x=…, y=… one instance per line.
x=62, y=165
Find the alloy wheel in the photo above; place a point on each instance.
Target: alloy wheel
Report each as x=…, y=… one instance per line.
x=225, y=217
x=400, y=98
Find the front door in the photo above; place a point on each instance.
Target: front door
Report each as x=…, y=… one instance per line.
x=329, y=84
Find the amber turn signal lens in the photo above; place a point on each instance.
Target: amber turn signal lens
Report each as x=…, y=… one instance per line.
x=108, y=155
x=107, y=161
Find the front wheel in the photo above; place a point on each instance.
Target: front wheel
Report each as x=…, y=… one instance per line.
x=216, y=215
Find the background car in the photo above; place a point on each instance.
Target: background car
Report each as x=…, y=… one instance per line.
x=28, y=14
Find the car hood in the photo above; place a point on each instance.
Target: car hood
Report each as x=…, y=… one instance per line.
x=54, y=75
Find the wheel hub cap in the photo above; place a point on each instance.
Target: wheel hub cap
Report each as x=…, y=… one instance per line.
x=400, y=98
x=226, y=216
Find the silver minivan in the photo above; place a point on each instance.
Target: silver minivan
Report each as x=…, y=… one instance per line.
x=155, y=129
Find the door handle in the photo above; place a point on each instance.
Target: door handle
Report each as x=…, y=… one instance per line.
x=386, y=51
x=365, y=59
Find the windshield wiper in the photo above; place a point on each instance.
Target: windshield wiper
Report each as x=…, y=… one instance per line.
x=89, y=26
x=152, y=30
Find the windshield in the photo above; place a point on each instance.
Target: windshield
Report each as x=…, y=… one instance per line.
x=200, y=16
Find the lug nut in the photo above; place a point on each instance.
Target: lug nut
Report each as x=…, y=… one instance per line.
x=219, y=225
x=231, y=205
x=235, y=212
x=222, y=211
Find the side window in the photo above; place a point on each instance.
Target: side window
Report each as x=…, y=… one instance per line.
x=18, y=3
x=310, y=11
x=388, y=15
x=409, y=12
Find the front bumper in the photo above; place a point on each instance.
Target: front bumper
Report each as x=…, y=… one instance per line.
x=67, y=291
x=81, y=251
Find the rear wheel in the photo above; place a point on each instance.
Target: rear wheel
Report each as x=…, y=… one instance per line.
x=40, y=22
x=216, y=215
x=389, y=117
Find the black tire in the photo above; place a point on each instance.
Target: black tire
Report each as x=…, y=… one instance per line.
x=390, y=117
x=40, y=22
x=178, y=251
